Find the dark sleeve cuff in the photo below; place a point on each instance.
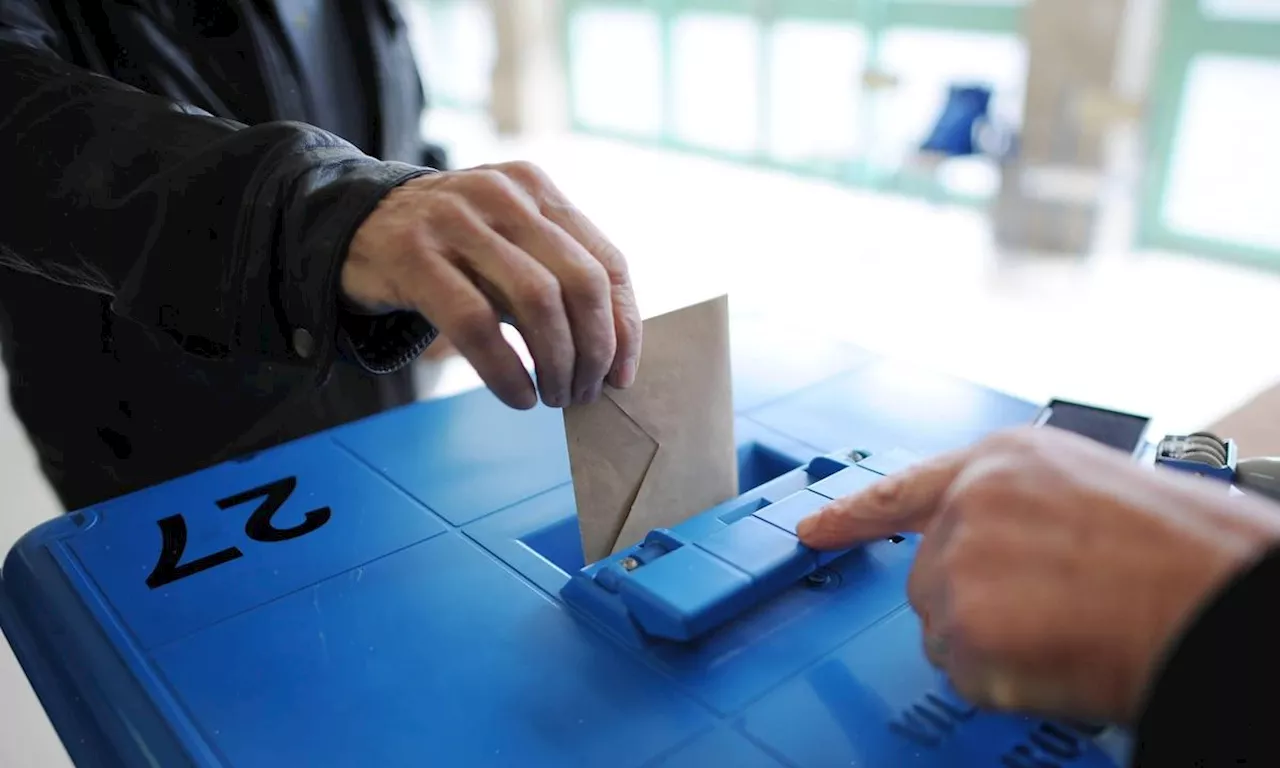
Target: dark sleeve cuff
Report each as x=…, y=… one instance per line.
x=312, y=286
x=1212, y=704
x=383, y=343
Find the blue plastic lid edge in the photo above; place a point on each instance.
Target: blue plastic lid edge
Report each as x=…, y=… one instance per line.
x=67, y=711
x=45, y=594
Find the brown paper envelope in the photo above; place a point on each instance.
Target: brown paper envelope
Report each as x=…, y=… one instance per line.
x=654, y=454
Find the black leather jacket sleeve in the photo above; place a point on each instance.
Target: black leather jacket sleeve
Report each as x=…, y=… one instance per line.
x=227, y=238
x=1214, y=703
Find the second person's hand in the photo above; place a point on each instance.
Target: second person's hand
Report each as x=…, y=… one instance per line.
x=469, y=248
x=1053, y=574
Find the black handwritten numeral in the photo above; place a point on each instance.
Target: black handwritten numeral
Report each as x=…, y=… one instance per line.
x=931, y=720
x=1049, y=746
x=1023, y=756
x=274, y=495
x=1057, y=742
x=170, y=568
x=1089, y=730
x=259, y=527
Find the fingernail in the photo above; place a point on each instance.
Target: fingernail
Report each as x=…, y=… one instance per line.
x=593, y=392
x=625, y=375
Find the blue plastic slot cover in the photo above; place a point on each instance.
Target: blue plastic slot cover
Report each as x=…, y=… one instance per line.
x=673, y=588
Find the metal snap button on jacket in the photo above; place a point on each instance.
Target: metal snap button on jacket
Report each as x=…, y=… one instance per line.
x=303, y=343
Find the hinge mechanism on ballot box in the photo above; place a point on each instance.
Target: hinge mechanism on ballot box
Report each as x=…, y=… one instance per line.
x=677, y=587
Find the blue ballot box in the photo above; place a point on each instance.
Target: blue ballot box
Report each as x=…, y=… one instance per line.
x=409, y=591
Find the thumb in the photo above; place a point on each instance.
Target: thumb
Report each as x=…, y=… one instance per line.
x=902, y=503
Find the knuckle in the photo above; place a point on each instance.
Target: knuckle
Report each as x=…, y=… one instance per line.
x=610, y=257
x=1027, y=446
x=496, y=189
x=406, y=240
x=487, y=178
x=887, y=493
x=992, y=485
x=588, y=284
x=475, y=327
x=988, y=488
x=527, y=174
x=1014, y=441
x=538, y=296
x=452, y=211
x=1011, y=489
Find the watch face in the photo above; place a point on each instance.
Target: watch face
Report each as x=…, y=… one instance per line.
x=1122, y=431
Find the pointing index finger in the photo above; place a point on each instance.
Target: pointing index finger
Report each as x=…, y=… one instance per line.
x=902, y=503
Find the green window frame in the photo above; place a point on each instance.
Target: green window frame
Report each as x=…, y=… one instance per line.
x=1189, y=34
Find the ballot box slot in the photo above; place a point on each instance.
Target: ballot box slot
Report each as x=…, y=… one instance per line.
x=758, y=464
x=558, y=541
x=741, y=511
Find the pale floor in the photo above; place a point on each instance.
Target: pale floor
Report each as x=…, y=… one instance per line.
x=1127, y=330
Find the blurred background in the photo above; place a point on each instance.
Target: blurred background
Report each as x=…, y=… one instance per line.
x=1051, y=197
x=1071, y=198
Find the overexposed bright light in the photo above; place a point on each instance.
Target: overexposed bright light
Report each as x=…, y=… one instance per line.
x=970, y=176
x=1225, y=155
x=453, y=41
x=815, y=90
x=715, y=58
x=616, y=70
x=1242, y=10
x=993, y=3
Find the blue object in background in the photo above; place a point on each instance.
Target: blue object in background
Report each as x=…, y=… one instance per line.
x=955, y=133
x=391, y=594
